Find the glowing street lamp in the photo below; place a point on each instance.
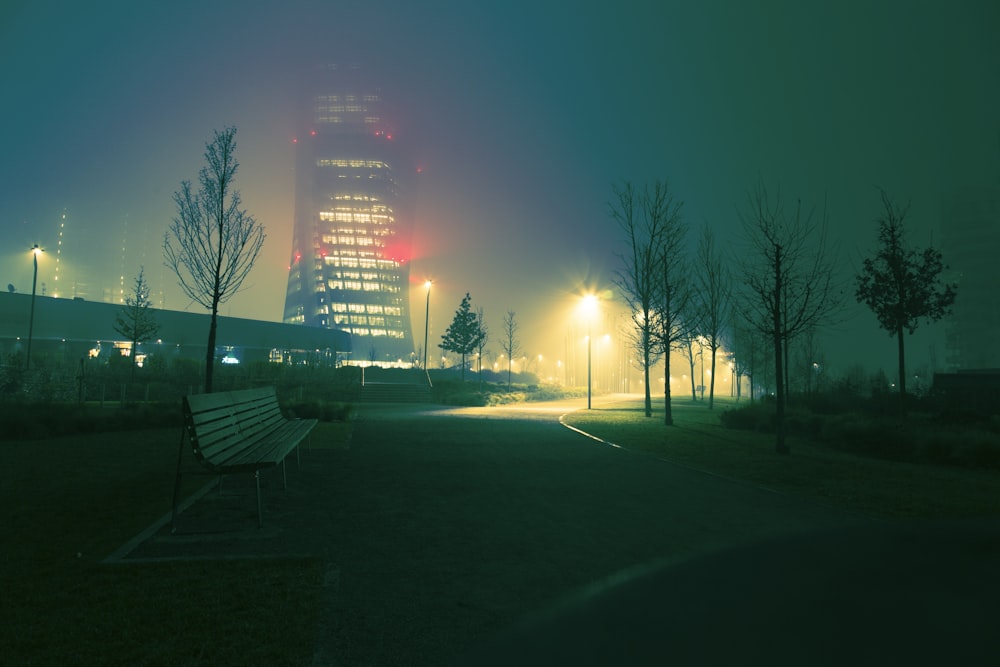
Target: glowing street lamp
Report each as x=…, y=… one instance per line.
x=427, y=317
x=35, y=251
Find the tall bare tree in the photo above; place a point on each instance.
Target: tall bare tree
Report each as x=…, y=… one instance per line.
x=136, y=320
x=213, y=243
x=673, y=317
x=713, y=287
x=639, y=277
x=789, y=281
x=900, y=285
x=510, y=343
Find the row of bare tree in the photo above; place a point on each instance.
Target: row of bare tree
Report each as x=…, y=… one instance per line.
x=784, y=284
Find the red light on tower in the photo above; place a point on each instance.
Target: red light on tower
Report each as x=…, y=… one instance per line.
x=312, y=133
x=295, y=140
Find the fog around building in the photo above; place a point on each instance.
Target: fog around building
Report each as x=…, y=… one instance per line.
x=521, y=118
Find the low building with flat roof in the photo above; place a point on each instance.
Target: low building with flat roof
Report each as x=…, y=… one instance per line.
x=76, y=329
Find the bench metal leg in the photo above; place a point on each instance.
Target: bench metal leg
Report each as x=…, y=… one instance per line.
x=177, y=484
x=284, y=476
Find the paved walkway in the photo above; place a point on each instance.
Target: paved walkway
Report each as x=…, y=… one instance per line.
x=549, y=481
x=441, y=527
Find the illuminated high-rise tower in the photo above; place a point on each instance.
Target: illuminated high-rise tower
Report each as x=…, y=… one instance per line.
x=349, y=267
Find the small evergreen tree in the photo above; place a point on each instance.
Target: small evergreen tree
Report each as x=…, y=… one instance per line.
x=464, y=333
x=136, y=321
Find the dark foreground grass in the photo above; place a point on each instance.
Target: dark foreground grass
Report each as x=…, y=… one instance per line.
x=415, y=582
x=820, y=473
x=67, y=503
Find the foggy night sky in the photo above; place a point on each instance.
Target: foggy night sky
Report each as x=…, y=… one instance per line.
x=521, y=115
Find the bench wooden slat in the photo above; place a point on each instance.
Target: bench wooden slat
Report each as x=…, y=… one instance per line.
x=266, y=451
x=226, y=425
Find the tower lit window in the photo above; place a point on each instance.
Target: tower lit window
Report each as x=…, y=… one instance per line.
x=351, y=218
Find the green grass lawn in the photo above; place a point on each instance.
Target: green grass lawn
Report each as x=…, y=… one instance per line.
x=67, y=503
x=872, y=486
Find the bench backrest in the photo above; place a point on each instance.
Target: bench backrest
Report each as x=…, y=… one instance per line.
x=222, y=425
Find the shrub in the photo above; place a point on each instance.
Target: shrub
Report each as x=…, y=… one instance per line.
x=468, y=399
x=316, y=408
x=33, y=421
x=971, y=448
x=867, y=435
x=552, y=392
x=506, y=398
x=921, y=437
x=757, y=416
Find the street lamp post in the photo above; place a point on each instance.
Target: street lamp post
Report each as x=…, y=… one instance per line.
x=35, y=250
x=589, y=306
x=427, y=316
x=590, y=343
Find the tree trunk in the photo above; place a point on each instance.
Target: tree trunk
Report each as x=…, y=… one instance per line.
x=780, y=445
x=210, y=353
x=786, y=345
x=649, y=396
x=131, y=372
x=711, y=383
x=694, y=391
x=668, y=416
x=779, y=409
x=902, y=371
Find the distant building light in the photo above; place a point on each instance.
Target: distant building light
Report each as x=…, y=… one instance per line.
x=230, y=360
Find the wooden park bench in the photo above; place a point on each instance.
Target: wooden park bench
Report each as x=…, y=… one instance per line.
x=236, y=432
